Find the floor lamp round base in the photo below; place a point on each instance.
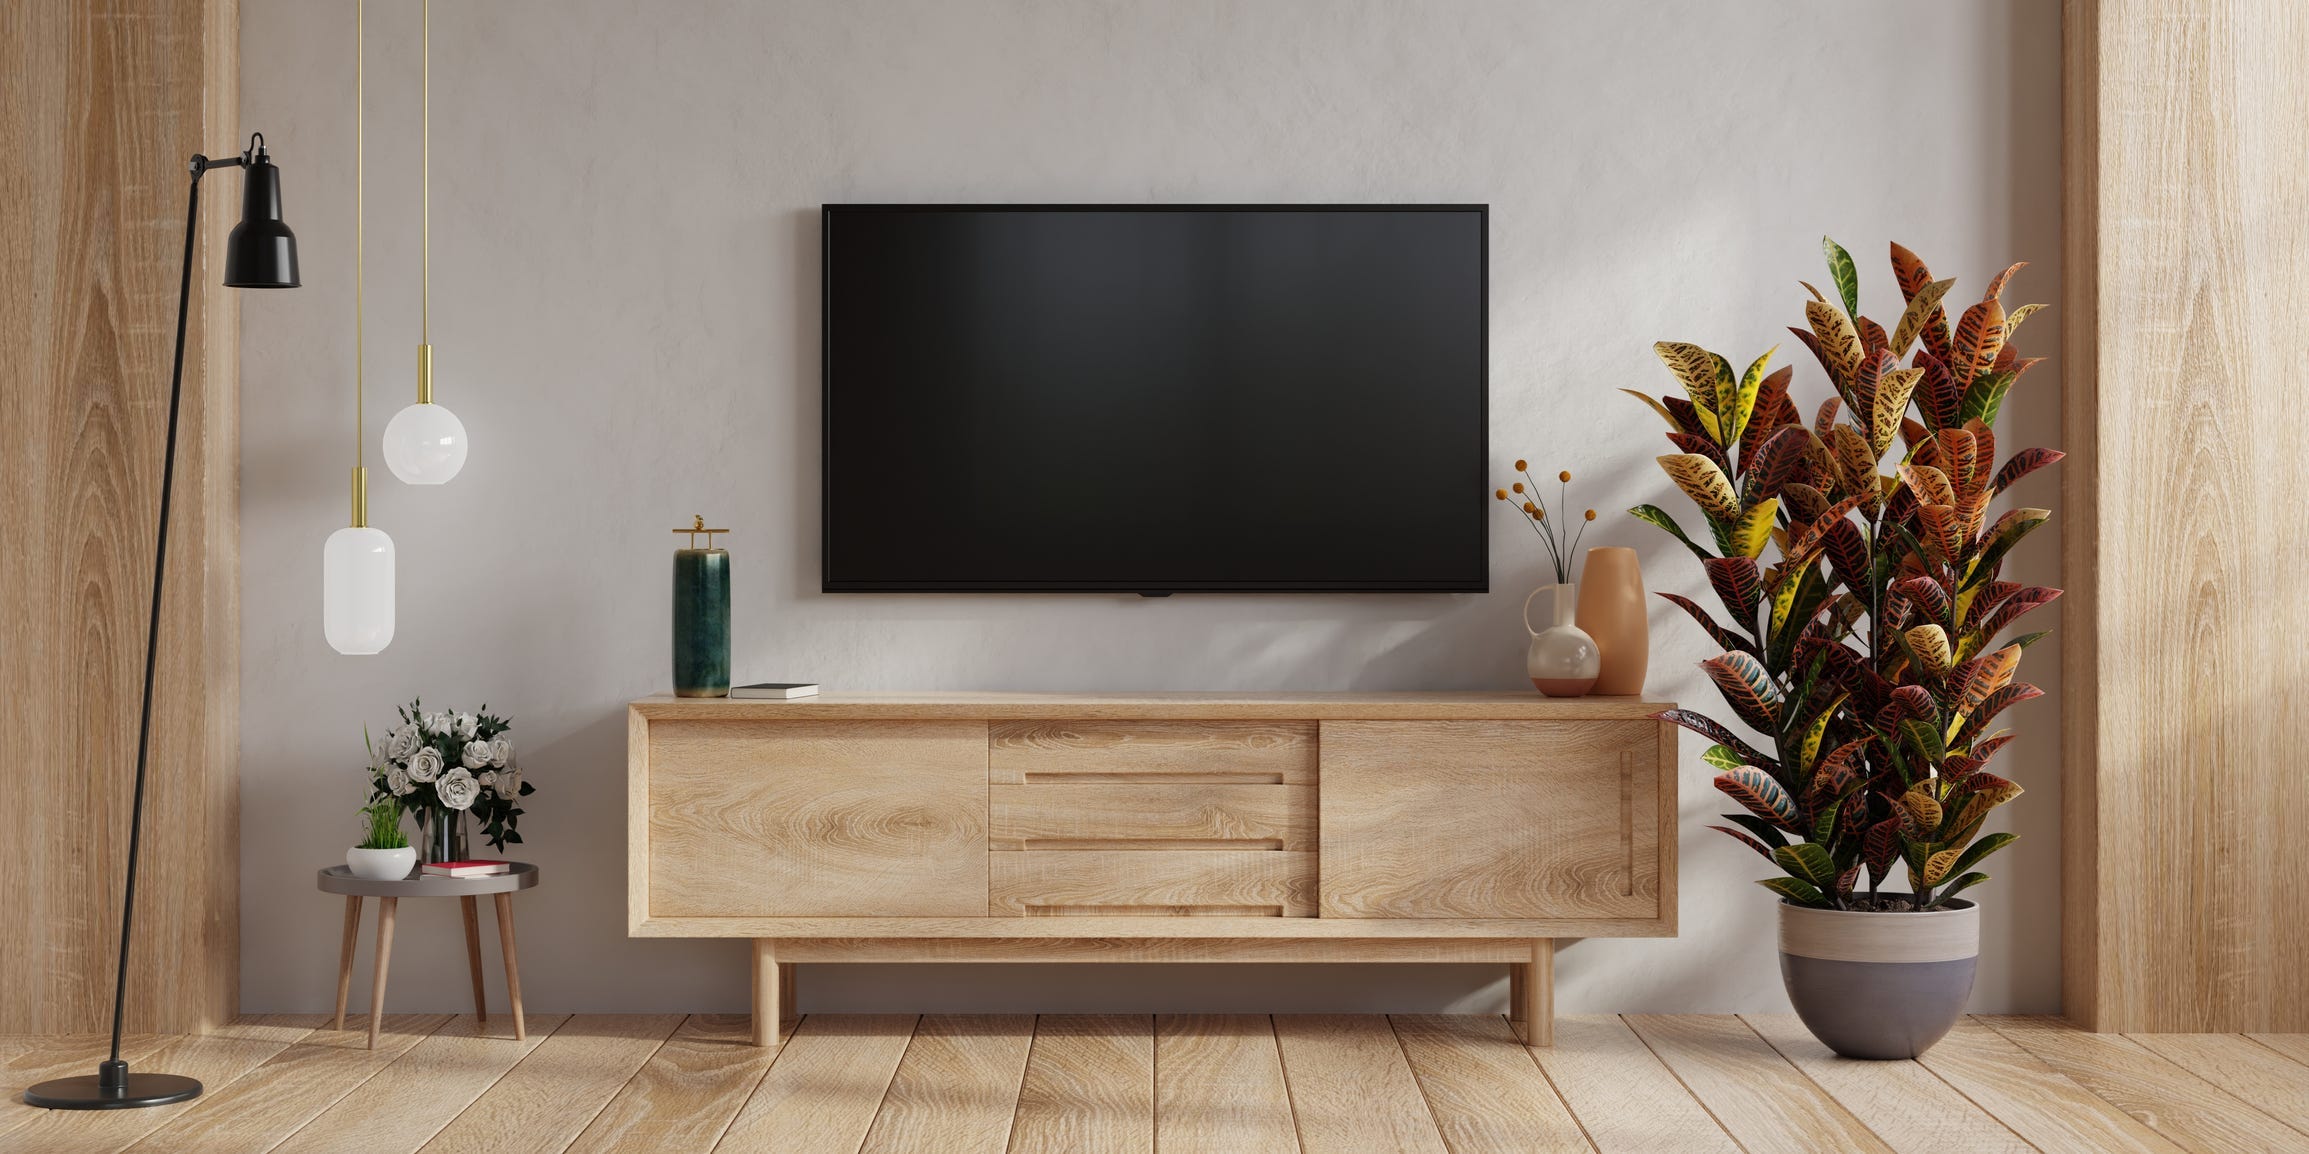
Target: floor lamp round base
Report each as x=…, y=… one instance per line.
x=87, y=1093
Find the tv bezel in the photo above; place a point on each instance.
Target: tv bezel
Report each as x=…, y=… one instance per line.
x=827, y=582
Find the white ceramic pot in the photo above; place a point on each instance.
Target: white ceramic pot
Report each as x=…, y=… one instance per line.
x=1563, y=661
x=381, y=865
x=1881, y=986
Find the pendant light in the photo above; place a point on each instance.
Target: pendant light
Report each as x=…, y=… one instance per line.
x=425, y=443
x=357, y=563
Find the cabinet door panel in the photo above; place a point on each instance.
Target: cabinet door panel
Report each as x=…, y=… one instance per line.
x=817, y=818
x=1490, y=819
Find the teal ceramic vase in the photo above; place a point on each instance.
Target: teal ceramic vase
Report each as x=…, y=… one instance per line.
x=701, y=617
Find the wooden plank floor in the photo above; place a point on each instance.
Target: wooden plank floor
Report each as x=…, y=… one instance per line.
x=1229, y=1084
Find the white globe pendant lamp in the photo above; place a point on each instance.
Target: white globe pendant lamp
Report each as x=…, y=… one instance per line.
x=357, y=563
x=425, y=443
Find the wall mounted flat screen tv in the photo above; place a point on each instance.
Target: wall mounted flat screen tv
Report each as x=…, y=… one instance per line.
x=1158, y=399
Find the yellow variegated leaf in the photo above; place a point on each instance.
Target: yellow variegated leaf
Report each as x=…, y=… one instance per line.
x=1929, y=484
x=2012, y=320
x=1920, y=308
x=1784, y=600
x=1936, y=866
x=1695, y=369
x=1855, y=461
x=1754, y=529
x=1930, y=644
x=1924, y=809
x=1704, y=483
x=1819, y=730
x=1839, y=344
x=1657, y=407
x=1892, y=393
x=1744, y=401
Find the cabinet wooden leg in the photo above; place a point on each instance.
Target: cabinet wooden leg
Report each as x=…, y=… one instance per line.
x=345, y=956
x=769, y=998
x=1531, y=995
x=787, y=994
x=473, y=952
x=386, y=907
x=512, y=966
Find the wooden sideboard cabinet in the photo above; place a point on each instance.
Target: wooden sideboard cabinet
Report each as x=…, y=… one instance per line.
x=1018, y=827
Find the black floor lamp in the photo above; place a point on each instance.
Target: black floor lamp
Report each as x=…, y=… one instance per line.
x=262, y=253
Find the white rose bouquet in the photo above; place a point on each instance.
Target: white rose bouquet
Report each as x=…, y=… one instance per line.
x=440, y=763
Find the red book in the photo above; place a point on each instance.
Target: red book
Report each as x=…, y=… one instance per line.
x=468, y=869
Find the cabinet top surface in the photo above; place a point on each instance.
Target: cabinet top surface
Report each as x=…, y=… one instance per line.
x=1523, y=706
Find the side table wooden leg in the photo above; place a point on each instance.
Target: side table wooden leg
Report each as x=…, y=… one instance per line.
x=1531, y=995
x=512, y=966
x=386, y=907
x=768, y=1001
x=345, y=955
x=473, y=952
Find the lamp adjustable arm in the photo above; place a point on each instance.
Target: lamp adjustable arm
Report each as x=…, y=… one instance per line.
x=253, y=153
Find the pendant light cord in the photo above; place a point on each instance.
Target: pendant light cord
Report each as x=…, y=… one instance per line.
x=425, y=169
x=360, y=224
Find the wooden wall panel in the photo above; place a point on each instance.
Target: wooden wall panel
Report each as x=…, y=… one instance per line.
x=2187, y=536
x=100, y=105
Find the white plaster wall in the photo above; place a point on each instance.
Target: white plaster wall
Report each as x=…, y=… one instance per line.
x=626, y=310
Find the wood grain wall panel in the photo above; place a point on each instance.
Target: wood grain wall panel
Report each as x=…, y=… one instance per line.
x=2188, y=686
x=100, y=105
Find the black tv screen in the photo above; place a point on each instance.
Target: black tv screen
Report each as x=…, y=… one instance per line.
x=1155, y=399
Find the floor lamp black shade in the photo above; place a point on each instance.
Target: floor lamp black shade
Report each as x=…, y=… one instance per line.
x=262, y=254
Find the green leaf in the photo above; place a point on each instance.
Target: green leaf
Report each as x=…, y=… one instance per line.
x=1653, y=514
x=1824, y=826
x=1846, y=275
x=1959, y=886
x=1807, y=860
x=1722, y=757
x=1797, y=890
x=1984, y=396
x=1980, y=849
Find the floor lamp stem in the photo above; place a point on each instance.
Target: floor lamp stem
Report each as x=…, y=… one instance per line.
x=152, y=630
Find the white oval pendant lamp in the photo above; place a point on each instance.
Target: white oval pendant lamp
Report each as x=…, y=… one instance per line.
x=357, y=562
x=425, y=443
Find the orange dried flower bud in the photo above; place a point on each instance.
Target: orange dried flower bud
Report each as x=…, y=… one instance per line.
x=1500, y=493
x=1563, y=476
x=1530, y=508
x=1521, y=464
x=1540, y=516
x=1591, y=514
x=1518, y=486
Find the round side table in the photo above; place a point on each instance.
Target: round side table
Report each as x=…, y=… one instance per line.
x=337, y=879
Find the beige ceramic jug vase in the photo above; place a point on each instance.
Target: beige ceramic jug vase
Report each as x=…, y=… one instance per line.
x=1562, y=660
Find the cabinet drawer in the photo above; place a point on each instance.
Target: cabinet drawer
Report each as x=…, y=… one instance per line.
x=817, y=818
x=1158, y=816
x=1493, y=819
x=1123, y=752
x=1061, y=883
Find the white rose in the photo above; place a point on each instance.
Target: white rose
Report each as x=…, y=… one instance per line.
x=476, y=755
x=467, y=725
x=500, y=753
x=425, y=764
x=487, y=778
x=402, y=742
x=438, y=722
x=397, y=780
x=457, y=789
x=509, y=782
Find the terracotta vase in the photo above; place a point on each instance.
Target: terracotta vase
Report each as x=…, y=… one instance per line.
x=1562, y=661
x=1611, y=610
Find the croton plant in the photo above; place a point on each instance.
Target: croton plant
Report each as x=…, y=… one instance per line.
x=1862, y=607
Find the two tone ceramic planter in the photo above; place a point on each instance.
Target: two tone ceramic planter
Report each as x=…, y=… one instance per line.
x=1879, y=985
